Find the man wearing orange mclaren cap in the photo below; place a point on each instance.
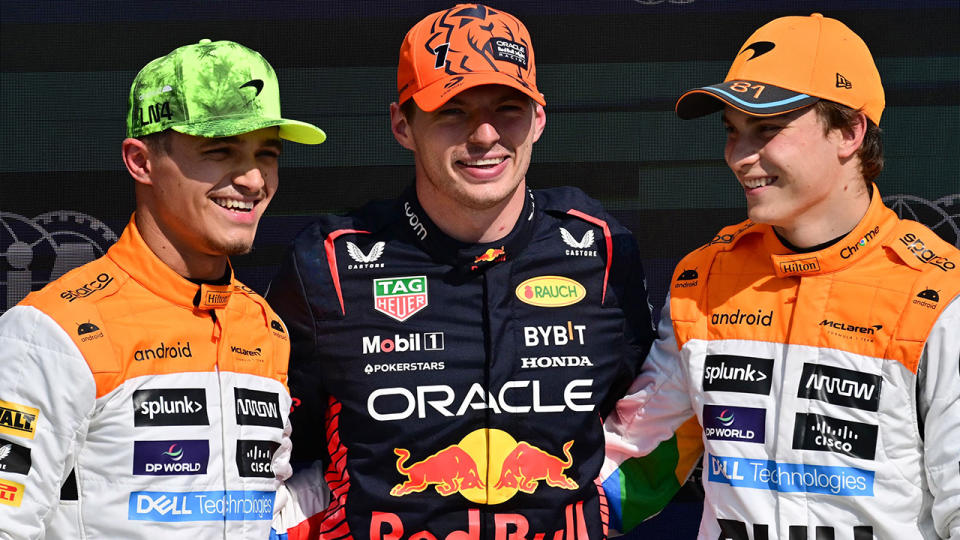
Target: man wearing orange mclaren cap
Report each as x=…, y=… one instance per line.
x=454, y=350
x=816, y=343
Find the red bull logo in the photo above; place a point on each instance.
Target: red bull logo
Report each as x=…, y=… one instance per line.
x=449, y=471
x=506, y=526
x=488, y=466
x=526, y=465
x=491, y=255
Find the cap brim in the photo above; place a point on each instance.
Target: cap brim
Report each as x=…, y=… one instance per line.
x=433, y=96
x=291, y=130
x=750, y=97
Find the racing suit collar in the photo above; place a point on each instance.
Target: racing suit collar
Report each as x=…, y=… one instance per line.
x=467, y=257
x=133, y=255
x=877, y=223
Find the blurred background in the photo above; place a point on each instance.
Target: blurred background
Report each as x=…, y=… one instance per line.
x=611, y=71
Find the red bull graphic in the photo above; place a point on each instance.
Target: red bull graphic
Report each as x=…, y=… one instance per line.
x=506, y=526
x=449, y=471
x=488, y=466
x=526, y=465
x=491, y=255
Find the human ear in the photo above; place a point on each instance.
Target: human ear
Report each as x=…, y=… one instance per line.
x=136, y=156
x=400, y=127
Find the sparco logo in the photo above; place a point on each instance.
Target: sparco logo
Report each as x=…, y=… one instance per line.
x=848, y=251
x=257, y=408
x=414, y=220
x=826, y=434
x=925, y=254
x=170, y=407
x=737, y=317
x=840, y=386
x=255, y=458
x=514, y=397
x=162, y=351
x=737, y=530
x=428, y=341
x=800, y=266
x=726, y=373
x=87, y=289
x=728, y=423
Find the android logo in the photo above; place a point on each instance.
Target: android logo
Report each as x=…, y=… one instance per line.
x=688, y=275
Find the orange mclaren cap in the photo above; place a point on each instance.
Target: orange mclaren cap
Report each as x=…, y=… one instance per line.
x=465, y=46
x=790, y=63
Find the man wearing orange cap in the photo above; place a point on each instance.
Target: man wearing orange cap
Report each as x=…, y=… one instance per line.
x=454, y=350
x=816, y=343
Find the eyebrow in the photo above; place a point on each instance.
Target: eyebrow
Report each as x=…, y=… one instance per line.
x=274, y=142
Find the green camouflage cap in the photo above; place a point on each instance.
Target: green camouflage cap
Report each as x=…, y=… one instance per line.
x=211, y=89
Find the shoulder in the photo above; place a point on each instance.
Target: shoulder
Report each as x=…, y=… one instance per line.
x=79, y=289
x=567, y=203
x=921, y=249
x=373, y=217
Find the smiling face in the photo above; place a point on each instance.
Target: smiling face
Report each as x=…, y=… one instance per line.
x=205, y=196
x=795, y=173
x=472, y=152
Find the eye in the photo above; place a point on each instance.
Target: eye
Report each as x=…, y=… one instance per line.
x=219, y=152
x=269, y=153
x=451, y=111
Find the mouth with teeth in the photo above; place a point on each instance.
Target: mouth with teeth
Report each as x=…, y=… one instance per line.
x=234, y=205
x=488, y=163
x=755, y=183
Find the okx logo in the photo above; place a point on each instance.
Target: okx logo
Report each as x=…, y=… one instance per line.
x=167, y=506
x=170, y=407
x=400, y=297
x=258, y=408
x=170, y=458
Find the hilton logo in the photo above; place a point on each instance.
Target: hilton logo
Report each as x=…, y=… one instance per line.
x=800, y=266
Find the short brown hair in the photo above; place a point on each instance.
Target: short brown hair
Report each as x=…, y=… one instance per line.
x=837, y=116
x=159, y=143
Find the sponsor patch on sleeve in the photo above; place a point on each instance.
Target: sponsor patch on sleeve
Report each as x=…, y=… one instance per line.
x=18, y=420
x=11, y=493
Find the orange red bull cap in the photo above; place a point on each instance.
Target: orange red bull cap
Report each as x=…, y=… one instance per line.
x=790, y=63
x=462, y=47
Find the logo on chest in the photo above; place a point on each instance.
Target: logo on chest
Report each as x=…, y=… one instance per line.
x=400, y=297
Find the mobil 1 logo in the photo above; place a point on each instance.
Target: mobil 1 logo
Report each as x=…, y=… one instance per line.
x=840, y=386
x=745, y=374
x=170, y=407
x=256, y=408
x=255, y=458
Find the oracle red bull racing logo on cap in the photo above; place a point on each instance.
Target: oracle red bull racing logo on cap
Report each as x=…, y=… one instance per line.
x=488, y=466
x=550, y=291
x=400, y=297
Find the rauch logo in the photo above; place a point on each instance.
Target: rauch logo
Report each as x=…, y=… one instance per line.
x=550, y=291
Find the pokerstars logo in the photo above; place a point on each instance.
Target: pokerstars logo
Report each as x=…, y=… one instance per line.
x=413, y=342
x=400, y=297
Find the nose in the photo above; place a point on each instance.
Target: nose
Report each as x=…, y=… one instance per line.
x=252, y=180
x=484, y=134
x=741, y=152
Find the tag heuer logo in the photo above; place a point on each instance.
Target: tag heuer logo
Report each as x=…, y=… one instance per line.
x=400, y=297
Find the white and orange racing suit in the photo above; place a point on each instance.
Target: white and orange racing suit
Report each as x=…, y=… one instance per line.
x=826, y=384
x=137, y=404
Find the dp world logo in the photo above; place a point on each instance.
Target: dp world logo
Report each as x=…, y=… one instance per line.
x=34, y=252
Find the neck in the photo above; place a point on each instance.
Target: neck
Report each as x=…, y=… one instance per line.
x=187, y=263
x=472, y=225
x=830, y=220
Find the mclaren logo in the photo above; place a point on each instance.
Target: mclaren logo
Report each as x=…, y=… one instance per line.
x=758, y=49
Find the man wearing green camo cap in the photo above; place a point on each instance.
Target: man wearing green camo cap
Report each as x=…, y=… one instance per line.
x=144, y=394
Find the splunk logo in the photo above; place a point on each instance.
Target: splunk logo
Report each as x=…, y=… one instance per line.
x=742, y=318
x=170, y=407
x=840, y=386
x=728, y=423
x=163, y=351
x=168, y=458
x=167, y=506
x=746, y=374
x=790, y=477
